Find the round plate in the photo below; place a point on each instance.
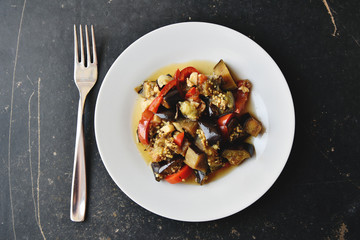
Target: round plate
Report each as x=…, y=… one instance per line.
x=179, y=43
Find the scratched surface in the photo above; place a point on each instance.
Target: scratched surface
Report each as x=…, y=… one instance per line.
x=316, y=43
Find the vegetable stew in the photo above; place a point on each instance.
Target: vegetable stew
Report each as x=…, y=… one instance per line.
x=194, y=124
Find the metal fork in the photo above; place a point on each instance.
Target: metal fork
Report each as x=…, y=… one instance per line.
x=85, y=76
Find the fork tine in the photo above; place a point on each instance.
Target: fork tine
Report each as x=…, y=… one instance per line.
x=87, y=46
x=76, y=49
x=93, y=45
x=81, y=46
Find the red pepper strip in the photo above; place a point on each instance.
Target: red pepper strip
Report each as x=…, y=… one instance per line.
x=167, y=87
x=193, y=93
x=186, y=72
x=179, y=139
x=143, y=127
x=177, y=177
x=240, y=98
x=178, y=83
x=147, y=115
x=154, y=105
x=202, y=78
x=224, y=131
x=157, y=101
x=222, y=122
x=177, y=74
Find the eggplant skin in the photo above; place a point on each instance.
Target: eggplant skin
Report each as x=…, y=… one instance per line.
x=238, y=153
x=196, y=159
x=252, y=127
x=228, y=82
x=211, y=131
x=210, y=110
x=240, y=146
x=250, y=124
x=189, y=126
x=166, y=114
x=164, y=168
x=139, y=89
x=172, y=97
x=249, y=148
x=163, y=80
x=235, y=157
x=200, y=177
x=158, y=168
x=232, y=124
x=236, y=132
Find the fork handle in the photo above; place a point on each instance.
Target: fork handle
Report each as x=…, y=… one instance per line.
x=78, y=188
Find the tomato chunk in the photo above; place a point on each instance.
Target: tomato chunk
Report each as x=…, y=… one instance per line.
x=179, y=139
x=202, y=78
x=193, y=94
x=222, y=122
x=241, y=97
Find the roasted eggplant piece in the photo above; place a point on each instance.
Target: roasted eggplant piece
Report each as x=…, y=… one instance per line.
x=250, y=124
x=249, y=147
x=166, y=114
x=163, y=80
x=236, y=131
x=178, y=126
x=171, y=98
x=164, y=168
x=237, y=154
x=229, y=96
x=213, y=159
x=253, y=126
x=196, y=159
x=184, y=147
x=139, y=89
x=200, y=144
x=211, y=130
x=210, y=110
x=200, y=177
x=214, y=162
x=232, y=124
x=150, y=89
x=228, y=81
x=189, y=126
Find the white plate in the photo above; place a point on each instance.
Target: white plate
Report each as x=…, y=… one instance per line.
x=180, y=43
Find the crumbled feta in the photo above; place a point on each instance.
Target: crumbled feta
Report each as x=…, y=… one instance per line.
x=192, y=80
x=166, y=129
x=244, y=89
x=163, y=80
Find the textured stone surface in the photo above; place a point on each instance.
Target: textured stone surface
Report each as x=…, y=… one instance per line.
x=316, y=197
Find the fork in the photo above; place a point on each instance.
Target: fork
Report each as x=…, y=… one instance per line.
x=85, y=76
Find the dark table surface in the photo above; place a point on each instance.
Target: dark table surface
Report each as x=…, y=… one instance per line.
x=316, y=44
